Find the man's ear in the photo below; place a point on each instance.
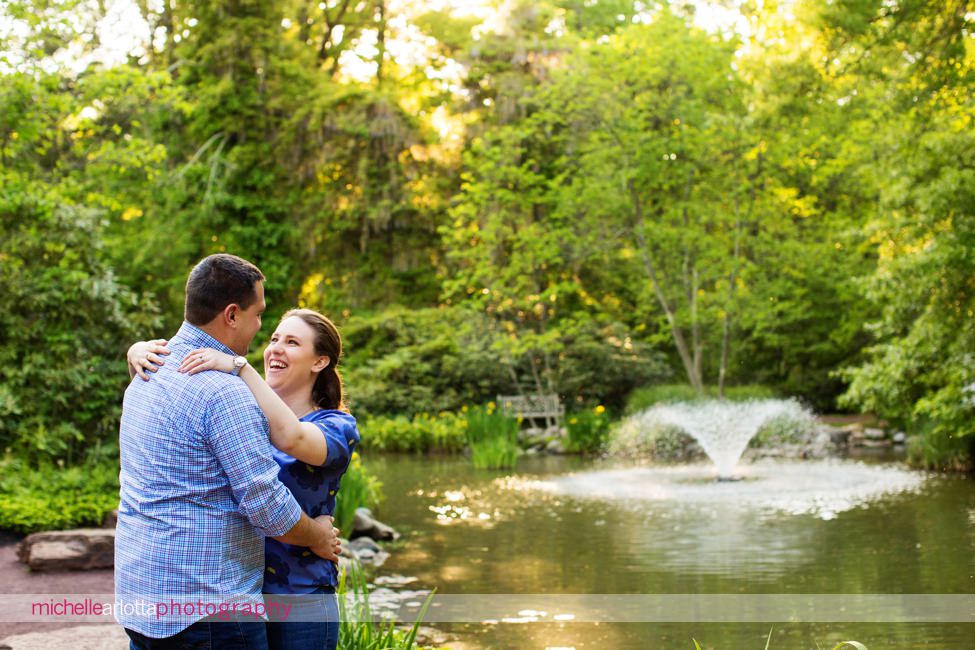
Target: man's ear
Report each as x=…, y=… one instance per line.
x=230, y=314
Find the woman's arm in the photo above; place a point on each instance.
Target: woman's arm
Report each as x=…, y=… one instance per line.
x=302, y=440
x=143, y=357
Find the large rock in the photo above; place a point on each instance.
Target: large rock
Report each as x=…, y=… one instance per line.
x=364, y=525
x=69, y=550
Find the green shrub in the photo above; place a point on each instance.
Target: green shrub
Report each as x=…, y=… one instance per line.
x=784, y=429
x=413, y=360
x=51, y=497
x=633, y=439
x=443, y=432
x=407, y=361
x=64, y=324
x=644, y=398
x=588, y=430
x=492, y=437
x=359, y=488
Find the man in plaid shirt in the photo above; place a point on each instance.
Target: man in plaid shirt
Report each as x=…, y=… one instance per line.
x=199, y=486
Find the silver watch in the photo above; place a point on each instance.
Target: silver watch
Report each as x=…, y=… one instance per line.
x=239, y=363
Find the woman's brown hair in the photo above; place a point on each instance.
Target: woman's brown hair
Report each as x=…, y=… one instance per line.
x=327, y=391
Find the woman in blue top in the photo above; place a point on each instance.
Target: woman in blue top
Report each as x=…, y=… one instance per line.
x=315, y=436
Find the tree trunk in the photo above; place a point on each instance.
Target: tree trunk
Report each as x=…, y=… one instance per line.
x=381, y=43
x=650, y=268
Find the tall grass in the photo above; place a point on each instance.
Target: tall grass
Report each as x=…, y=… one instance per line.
x=492, y=437
x=358, y=488
x=359, y=628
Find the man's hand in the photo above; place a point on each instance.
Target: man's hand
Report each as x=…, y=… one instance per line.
x=328, y=545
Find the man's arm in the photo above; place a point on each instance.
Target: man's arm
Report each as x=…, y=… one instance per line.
x=318, y=534
x=237, y=435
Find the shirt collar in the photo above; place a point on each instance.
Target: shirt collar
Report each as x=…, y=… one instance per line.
x=197, y=338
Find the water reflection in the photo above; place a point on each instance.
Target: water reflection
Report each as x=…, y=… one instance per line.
x=896, y=532
x=820, y=488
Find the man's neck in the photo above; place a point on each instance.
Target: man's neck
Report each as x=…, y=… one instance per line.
x=220, y=334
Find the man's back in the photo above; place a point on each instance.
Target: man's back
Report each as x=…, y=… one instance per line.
x=199, y=490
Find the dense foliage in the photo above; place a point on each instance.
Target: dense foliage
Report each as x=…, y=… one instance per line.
x=581, y=198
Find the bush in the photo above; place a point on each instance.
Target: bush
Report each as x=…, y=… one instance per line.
x=444, y=432
x=407, y=361
x=588, y=430
x=51, y=497
x=644, y=398
x=64, y=325
x=931, y=448
x=633, y=438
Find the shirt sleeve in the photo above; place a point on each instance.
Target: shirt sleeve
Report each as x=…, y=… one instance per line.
x=237, y=435
x=340, y=440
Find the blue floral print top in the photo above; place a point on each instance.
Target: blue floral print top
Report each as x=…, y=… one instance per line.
x=295, y=569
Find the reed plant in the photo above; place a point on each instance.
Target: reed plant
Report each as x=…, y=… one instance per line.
x=360, y=628
x=492, y=437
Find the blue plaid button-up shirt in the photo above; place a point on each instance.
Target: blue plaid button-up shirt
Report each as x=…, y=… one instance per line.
x=199, y=491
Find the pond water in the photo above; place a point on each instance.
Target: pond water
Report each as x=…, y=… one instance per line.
x=547, y=528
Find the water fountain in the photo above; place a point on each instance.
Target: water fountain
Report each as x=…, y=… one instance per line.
x=724, y=429
x=821, y=487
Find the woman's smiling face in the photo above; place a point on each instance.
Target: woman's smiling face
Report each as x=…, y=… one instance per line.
x=290, y=358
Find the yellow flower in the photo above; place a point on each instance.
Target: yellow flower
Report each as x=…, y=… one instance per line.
x=599, y=410
x=573, y=421
x=491, y=405
x=355, y=456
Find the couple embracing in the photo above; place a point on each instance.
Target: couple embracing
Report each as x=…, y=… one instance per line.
x=228, y=481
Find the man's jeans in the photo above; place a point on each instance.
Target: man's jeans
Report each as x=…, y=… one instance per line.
x=207, y=634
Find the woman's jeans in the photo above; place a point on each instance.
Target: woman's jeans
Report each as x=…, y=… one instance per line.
x=312, y=622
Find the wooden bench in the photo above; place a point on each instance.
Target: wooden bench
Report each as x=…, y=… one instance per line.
x=530, y=407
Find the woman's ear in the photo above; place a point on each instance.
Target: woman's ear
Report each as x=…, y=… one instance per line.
x=321, y=364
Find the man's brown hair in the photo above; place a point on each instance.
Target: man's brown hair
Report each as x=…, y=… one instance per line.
x=217, y=281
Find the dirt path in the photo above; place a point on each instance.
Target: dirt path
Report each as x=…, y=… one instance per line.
x=15, y=578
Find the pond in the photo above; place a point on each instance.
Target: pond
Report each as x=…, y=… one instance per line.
x=494, y=532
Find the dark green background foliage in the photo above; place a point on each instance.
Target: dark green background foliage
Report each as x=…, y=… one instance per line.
x=601, y=200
